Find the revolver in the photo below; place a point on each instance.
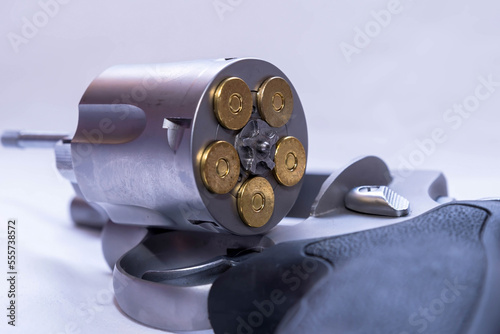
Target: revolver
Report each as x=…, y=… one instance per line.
x=196, y=173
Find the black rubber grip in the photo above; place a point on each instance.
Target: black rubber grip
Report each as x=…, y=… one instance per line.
x=436, y=273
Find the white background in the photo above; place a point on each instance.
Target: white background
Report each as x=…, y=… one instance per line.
x=383, y=100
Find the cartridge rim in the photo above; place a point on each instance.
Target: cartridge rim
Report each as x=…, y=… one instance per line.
x=220, y=167
x=275, y=101
x=256, y=202
x=290, y=160
x=233, y=103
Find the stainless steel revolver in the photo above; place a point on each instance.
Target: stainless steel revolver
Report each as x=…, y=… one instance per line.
x=190, y=167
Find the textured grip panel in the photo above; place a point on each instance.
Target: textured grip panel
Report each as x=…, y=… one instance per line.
x=425, y=275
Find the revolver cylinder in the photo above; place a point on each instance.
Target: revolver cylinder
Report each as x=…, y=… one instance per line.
x=190, y=145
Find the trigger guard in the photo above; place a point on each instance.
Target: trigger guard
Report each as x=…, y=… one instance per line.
x=167, y=306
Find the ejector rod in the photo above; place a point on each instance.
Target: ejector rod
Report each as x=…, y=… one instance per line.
x=31, y=139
